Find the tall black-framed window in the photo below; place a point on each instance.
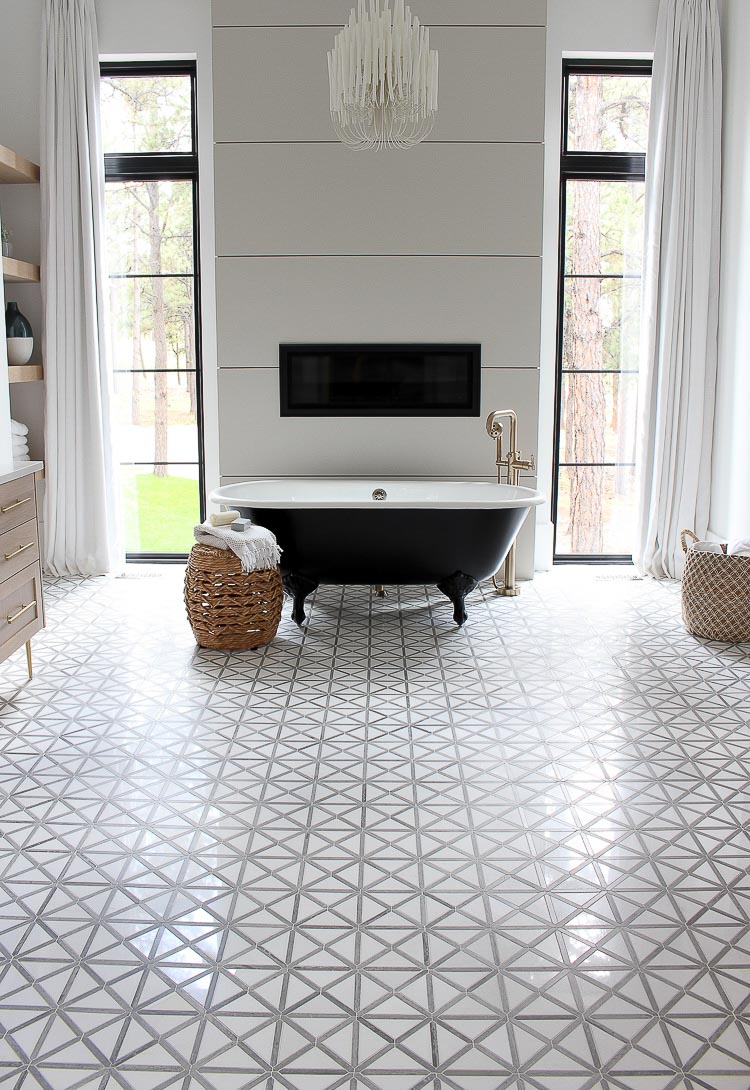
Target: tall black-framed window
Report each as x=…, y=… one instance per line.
x=149, y=126
x=602, y=195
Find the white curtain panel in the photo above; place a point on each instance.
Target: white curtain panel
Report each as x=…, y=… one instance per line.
x=81, y=508
x=681, y=284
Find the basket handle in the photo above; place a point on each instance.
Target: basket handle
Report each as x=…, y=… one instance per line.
x=684, y=536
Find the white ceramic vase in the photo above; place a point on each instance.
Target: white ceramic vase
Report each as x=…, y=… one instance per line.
x=19, y=350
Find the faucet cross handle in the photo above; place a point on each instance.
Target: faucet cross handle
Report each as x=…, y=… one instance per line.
x=528, y=465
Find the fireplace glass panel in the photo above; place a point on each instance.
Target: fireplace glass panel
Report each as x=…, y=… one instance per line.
x=380, y=380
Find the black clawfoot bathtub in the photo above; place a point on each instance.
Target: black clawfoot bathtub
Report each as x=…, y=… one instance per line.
x=453, y=534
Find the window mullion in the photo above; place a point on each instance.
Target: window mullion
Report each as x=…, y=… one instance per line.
x=153, y=478
x=595, y=167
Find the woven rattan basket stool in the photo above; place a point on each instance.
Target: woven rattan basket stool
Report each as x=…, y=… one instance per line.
x=228, y=609
x=715, y=594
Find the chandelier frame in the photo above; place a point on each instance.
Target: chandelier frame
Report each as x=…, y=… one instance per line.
x=383, y=78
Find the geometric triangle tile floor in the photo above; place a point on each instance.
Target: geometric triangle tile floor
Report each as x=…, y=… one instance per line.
x=382, y=853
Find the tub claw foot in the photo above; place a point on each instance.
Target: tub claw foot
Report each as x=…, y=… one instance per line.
x=456, y=587
x=298, y=587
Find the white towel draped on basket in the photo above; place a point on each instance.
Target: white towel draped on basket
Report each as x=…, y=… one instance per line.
x=707, y=547
x=256, y=548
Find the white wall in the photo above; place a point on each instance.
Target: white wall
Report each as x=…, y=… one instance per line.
x=127, y=28
x=6, y=451
x=730, y=507
x=575, y=28
x=319, y=243
x=19, y=129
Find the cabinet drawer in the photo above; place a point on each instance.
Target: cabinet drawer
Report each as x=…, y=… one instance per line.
x=18, y=549
x=17, y=503
x=21, y=609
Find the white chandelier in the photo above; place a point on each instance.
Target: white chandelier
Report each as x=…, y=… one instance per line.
x=384, y=78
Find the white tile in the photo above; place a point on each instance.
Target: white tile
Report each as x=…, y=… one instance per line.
x=301, y=199
x=379, y=845
x=256, y=441
x=271, y=84
x=336, y=12
x=263, y=303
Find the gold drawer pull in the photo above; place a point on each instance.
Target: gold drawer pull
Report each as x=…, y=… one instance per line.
x=13, y=506
x=14, y=616
x=21, y=549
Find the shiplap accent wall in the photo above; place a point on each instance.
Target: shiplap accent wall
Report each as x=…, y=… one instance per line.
x=318, y=243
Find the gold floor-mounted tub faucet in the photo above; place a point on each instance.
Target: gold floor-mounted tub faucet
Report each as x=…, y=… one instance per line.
x=512, y=465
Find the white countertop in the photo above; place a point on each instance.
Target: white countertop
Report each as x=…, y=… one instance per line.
x=14, y=473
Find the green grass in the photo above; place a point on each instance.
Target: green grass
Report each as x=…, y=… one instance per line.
x=160, y=513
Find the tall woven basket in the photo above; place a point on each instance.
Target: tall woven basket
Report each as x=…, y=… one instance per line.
x=715, y=594
x=228, y=609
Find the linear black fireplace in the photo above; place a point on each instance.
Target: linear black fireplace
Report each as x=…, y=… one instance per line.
x=380, y=379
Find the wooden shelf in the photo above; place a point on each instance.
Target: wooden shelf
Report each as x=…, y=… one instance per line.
x=27, y=372
x=20, y=272
x=15, y=170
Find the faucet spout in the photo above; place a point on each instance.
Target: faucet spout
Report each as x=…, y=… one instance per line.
x=495, y=430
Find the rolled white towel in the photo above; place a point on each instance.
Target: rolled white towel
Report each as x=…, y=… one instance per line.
x=224, y=518
x=256, y=548
x=18, y=429
x=19, y=459
x=19, y=440
x=707, y=547
x=739, y=547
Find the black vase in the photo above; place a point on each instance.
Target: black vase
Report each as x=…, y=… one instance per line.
x=16, y=324
x=19, y=335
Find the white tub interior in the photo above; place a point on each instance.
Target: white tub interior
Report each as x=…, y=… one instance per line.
x=324, y=492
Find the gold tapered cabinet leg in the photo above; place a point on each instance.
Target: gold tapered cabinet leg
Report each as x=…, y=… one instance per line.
x=28, y=660
x=380, y=591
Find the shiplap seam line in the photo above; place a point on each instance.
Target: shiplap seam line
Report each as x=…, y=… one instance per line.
x=299, y=257
x=338, y=26
x=303, y=143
